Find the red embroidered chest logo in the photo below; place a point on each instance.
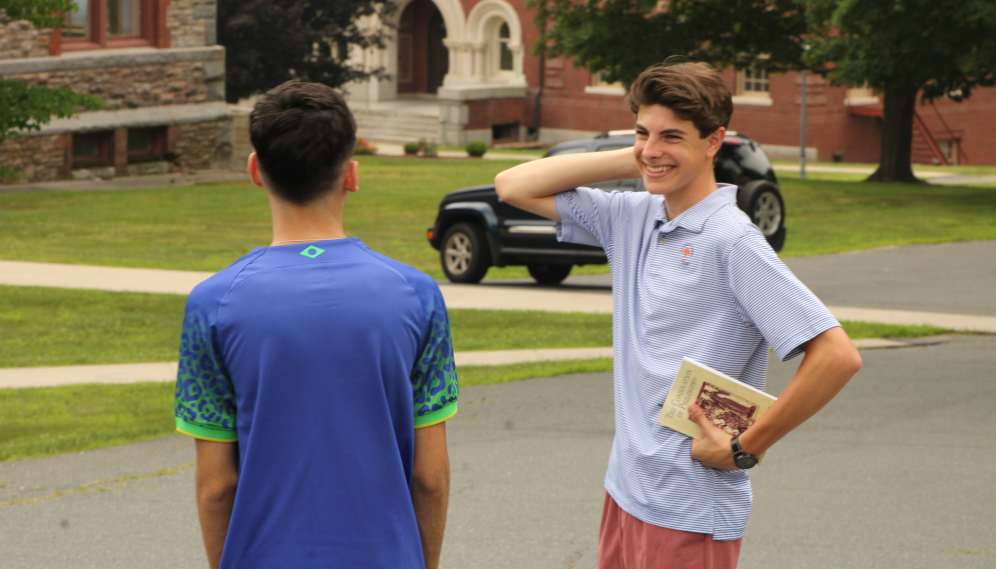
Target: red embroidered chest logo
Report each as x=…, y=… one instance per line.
x=686, y=253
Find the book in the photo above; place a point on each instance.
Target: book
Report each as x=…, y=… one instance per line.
x=730, y=404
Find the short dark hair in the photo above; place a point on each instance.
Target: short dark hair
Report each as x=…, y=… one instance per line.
x=304, y=135
x=693, y=91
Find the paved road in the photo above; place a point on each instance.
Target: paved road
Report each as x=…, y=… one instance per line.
x=895, y=473
x=955, y=278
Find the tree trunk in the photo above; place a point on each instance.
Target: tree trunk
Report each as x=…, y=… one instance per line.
x=897, y=137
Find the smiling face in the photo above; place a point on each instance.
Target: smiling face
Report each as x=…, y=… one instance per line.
x=674, y=160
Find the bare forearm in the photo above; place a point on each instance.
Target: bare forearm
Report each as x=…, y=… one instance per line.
x=830, y=362
x=215, y=515
x=430, y=512
x=526, y=183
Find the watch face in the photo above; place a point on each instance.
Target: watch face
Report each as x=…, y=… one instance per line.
x=745, y=460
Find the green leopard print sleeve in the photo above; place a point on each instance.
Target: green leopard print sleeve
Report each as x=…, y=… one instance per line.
x=434, y=379
x=205, y=402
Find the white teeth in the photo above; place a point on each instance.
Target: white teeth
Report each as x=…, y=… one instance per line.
x=658, y=169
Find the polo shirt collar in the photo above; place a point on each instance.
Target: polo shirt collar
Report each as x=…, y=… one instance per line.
x=694, y=218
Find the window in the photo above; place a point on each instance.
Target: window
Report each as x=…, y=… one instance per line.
x=860, y=96
x=753, y=82
x=600, y=86
x=505, y=54
x=145, y=144
x=99, y=24
x=93, y=149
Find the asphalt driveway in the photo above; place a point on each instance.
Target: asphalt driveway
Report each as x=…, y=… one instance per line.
x=895, y=473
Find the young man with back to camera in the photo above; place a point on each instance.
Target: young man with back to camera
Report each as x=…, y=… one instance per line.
x=691, y=276
x=316, y=374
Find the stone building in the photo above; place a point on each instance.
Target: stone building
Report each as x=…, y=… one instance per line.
x=460, y=70
x=156, y=65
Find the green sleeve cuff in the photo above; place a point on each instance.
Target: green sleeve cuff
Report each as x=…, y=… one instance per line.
x=437, y=416
x=206, y=433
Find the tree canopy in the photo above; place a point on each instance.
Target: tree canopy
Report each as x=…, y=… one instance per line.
x=624, y=37
x=24, y=107
x=938, y=48
x=268, y=42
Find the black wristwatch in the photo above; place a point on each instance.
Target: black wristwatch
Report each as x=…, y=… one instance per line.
x=742, y=459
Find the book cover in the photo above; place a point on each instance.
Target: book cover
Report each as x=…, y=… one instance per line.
x=730, y=404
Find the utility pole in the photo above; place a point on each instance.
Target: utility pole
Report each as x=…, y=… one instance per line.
x=802, y=142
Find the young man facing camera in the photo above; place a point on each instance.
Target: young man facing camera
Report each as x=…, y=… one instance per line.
x=316, y=374
x=691, y=276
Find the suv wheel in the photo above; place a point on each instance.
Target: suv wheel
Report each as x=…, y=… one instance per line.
x=762, y=202
x=550, y=273
x=464, y=254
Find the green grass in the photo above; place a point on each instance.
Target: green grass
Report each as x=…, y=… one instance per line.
x=861, y=330
x=53, y=326
x=831, y=217
x=524, y=329
x=965, y=170
x=205, y=228
x=56, y=420
x=490, y=375
x=50, y=327
x=519, y=151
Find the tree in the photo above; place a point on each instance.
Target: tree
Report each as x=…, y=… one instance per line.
x=268, y=42
x=24, y=107
x=938, y=48
x=624, y=37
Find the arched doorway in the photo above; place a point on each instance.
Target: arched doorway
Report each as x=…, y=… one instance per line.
x=423, y=60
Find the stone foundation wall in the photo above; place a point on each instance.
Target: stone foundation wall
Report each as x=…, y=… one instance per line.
x=20, y=39
x=39, y=158
x=191, y=146
x=201, y=146
x=132, y=87
x=192, y=23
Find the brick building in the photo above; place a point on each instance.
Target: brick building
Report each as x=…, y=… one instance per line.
x=462, y=70
x=156, y=65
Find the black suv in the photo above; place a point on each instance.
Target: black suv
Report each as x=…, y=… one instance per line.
x=475, y=229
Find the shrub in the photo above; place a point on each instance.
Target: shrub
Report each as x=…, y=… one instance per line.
x=428, y=148
x=363, y=146
x=476, y=148
x=412, y=148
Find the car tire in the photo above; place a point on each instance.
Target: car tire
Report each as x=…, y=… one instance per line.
x=464, y=253
x=549, y=273
x=763, y=203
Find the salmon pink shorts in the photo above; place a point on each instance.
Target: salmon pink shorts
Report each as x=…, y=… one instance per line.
x=625, y=542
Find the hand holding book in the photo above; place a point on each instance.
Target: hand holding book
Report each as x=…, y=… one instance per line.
x=713, y=449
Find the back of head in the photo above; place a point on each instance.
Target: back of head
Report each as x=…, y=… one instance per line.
x=304, y=135
x=693, y=91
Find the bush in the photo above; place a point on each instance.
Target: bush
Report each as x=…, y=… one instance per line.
x=428, y=148
x=411, y=148
x=363, y=146
x=476, y=148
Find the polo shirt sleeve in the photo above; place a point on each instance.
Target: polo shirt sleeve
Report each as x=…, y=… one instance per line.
x=434, y=378
x=587, y=216
x=772, y=299
x=205, y=400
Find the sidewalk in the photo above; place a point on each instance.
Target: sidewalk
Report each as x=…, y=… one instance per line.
x=457, y=296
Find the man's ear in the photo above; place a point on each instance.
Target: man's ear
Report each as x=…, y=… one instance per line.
x=252, y=168
x=351, y=180
x=715, y=141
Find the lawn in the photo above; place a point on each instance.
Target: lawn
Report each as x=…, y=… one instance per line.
x=52, y=326
x=206, y=227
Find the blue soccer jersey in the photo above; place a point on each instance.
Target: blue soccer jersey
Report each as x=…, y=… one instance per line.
x=319, y=360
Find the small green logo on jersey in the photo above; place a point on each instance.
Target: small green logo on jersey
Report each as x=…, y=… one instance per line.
x=312, y=251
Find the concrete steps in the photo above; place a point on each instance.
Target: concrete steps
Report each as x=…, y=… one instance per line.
x=388, y=126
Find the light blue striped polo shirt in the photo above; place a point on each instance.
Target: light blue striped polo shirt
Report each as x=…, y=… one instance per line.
x=704, y=285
